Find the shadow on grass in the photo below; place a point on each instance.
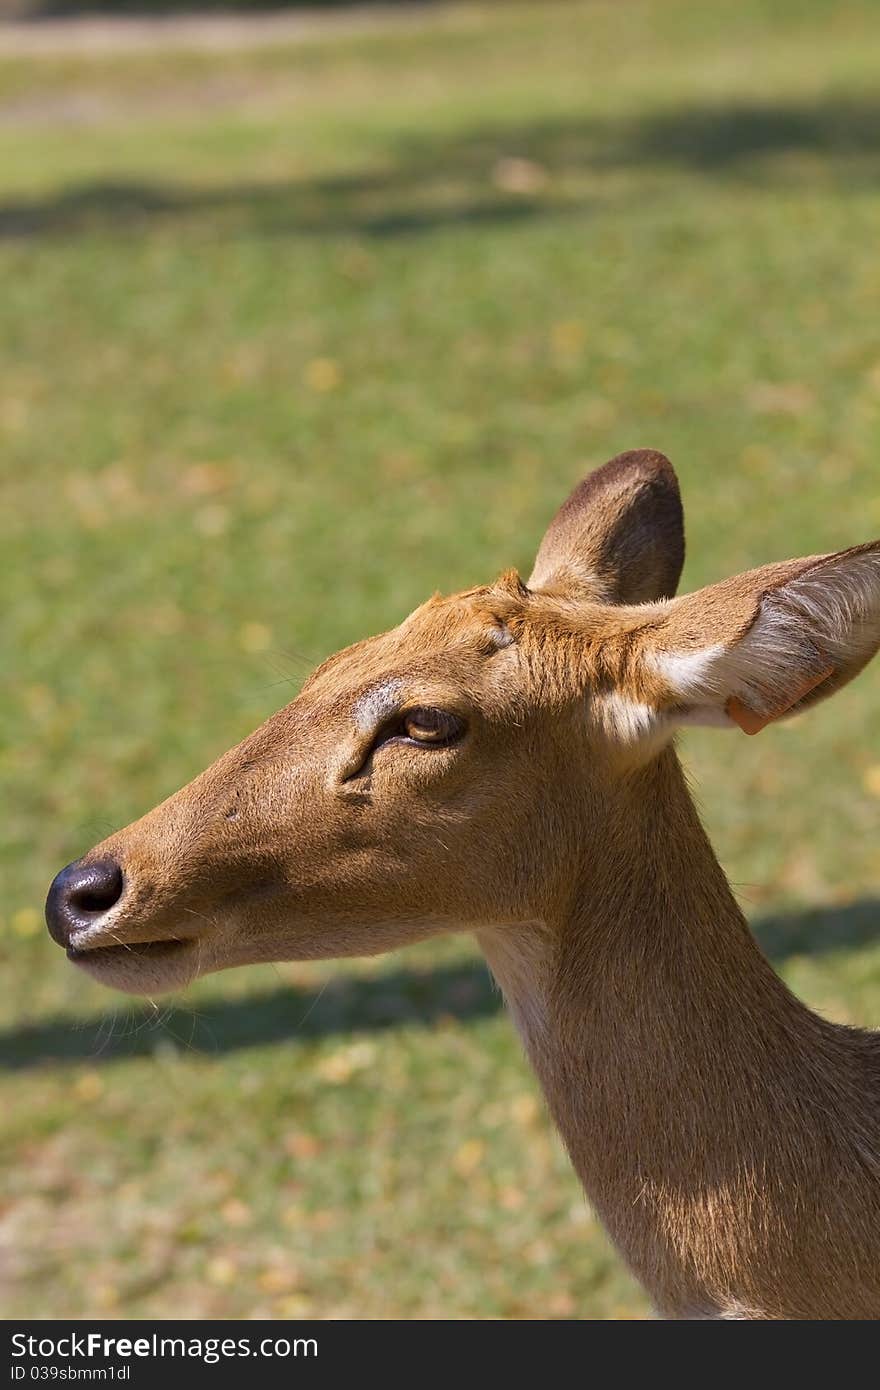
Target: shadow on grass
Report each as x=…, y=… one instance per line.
x=499, y=174
x=344, y=1005
x=347, y=1005
x=164, y=9
x=819, y=931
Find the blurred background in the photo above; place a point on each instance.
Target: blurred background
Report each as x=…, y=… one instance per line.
x=304, y=316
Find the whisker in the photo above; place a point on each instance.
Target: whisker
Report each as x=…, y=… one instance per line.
x=314, y=1004
x=102, y=1038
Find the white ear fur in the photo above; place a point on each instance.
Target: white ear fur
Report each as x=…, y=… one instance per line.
x=628, y=721
x=823, y=624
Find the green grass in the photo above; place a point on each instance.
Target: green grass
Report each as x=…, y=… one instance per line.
x=194, y=513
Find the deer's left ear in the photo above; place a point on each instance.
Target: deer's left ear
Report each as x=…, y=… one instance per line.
x=619, y=537
x=765, y=644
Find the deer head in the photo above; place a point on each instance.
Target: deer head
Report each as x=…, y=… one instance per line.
x=458, y=771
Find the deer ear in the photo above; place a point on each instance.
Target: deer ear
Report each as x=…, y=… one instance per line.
x=619, y=538
x=771, y=642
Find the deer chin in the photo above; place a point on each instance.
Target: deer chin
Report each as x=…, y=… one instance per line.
x=169, y=965
x=143, y=967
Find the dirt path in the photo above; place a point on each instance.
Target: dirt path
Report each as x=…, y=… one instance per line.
x=206, y=33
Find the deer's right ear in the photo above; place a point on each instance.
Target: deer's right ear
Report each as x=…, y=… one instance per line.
x=619, y=538
x=769, y=643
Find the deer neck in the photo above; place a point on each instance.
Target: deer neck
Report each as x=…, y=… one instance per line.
x=666, y=1045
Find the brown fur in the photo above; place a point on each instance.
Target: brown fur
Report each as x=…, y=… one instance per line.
x=728, y=1137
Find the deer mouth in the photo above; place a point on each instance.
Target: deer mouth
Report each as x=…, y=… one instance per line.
x=140, y=967
x=137, y=950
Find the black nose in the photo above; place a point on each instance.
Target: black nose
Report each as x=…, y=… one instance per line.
x=81, y=894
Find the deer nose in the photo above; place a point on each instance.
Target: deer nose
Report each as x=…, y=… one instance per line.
x=79, y=897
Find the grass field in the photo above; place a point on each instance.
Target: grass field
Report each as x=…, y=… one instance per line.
x=289, y=339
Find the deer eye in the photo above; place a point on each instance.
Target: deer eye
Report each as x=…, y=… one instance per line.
x=434, y=726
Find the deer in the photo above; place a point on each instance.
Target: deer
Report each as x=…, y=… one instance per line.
x=503, y=763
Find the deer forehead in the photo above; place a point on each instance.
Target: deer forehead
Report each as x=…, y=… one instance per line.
x=445, y=638
x=456, y=644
